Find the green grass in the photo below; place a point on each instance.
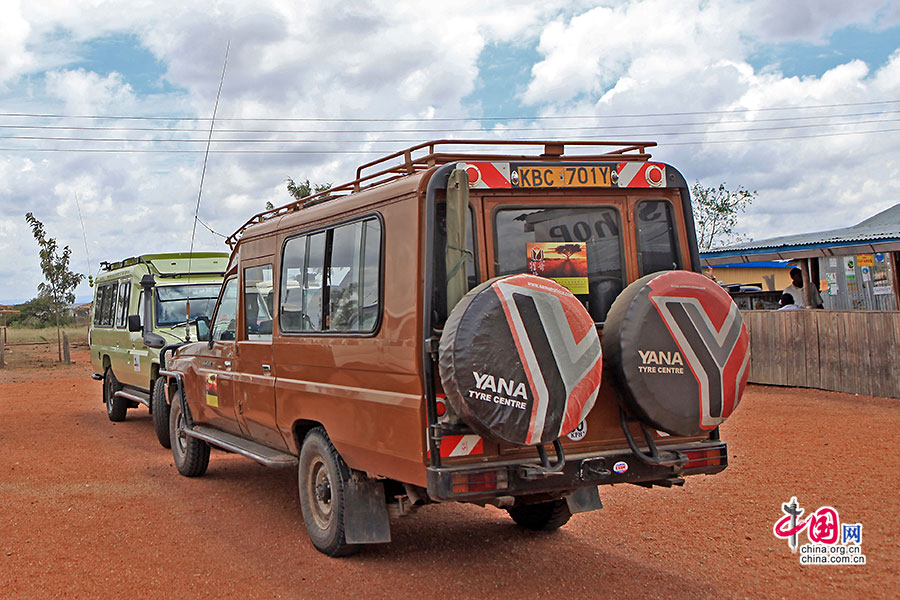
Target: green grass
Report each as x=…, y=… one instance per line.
x=24, y=335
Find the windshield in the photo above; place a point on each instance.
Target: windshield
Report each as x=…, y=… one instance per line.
x=171, y=305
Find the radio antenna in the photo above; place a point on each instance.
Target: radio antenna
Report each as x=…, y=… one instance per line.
x=212, y=124
x=84, y=236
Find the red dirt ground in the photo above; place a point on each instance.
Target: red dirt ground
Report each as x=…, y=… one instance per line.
x=94, y=509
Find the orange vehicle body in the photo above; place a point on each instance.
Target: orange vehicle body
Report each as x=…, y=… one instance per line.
x=376, y=392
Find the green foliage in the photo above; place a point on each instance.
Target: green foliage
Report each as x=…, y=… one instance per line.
x=304, y=188
x=37, y=312
x=60, y=282
x=716, y=212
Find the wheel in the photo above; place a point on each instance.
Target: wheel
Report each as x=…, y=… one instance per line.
x=160, y=411
x=191, y=455
x=115, y=407
x=323, y=476
x=544, y=516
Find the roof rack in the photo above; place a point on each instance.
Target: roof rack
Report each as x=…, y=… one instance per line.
x=410, y=164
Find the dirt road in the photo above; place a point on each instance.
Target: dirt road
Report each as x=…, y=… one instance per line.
x=94, y=509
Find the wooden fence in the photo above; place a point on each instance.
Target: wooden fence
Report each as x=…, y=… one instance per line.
x=844, y=351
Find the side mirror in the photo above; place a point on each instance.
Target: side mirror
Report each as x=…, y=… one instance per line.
x=134, y=323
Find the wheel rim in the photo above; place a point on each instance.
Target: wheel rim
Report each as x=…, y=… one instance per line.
x=109, y=399
x=319, y=490
x=180, y=437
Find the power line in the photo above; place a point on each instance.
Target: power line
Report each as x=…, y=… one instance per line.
x=379, y=152
x=419, y=119
x=381, y=141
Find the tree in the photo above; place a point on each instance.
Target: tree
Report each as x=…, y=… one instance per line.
x=716, y=212
x=303, y=189
x=60, y=282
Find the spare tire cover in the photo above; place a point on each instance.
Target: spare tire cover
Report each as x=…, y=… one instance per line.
x=679, y=350
x=520, y=360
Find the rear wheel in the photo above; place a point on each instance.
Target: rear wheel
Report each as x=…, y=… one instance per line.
x=160, y=410
x=544, y=516
x=191, y=455
x=115, y=407
x=323, y=476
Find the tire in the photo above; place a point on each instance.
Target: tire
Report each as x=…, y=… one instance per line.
x=323, y=476
x=544, y=516
x=160, y=411
x=115, y=407
x=191, y=455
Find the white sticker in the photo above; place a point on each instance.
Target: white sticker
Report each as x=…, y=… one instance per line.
x=137, y=363
x=620, y=467
x=579, y=432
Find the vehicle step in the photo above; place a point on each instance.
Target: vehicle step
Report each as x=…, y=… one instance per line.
x=262, y=454
x=134, y=395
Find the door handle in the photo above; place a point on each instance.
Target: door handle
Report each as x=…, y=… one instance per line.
x=266, y=369
x=227, y=364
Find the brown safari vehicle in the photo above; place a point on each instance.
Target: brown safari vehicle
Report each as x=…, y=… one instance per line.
x=431, y=332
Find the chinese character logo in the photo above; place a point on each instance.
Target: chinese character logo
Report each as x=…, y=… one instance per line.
x=830, y=541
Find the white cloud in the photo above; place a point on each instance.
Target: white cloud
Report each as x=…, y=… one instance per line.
x=363, y=60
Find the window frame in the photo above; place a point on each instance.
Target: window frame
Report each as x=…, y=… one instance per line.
x=623, y=257
x=679, y=263
x=328, y=229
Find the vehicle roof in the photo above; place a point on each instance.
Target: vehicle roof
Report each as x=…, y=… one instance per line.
x=174, y=263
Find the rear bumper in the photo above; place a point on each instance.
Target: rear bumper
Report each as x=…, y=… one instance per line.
x=484, y=482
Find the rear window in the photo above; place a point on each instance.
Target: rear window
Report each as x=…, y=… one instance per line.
x=580, y=248
x=656, y=240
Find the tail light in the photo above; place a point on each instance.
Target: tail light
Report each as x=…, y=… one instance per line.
x=441, y=402
x=697, y=459
x=482, y=481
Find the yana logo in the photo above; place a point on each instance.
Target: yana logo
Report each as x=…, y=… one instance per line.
x=708, y=351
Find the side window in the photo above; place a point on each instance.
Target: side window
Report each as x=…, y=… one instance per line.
x=105, y=304
x=225, y=325
x=350, y=282
x=141, y=307
x=656, y=239
x=124, y=298
x=258, y=297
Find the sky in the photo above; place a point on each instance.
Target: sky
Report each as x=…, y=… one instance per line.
x=798, y=101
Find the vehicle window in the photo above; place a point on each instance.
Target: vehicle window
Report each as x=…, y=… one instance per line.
x=124, y=298
x=141, y=306
x=293, y=265
x=105, y=307
x=312, y=284
x=171, y=302
x=352, y=254
x=580, y=248
x=353, y=276
x=657, y=245
x=258, y=298
x=225, y=325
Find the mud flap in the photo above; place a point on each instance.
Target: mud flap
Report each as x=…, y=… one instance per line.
x=365, y=512
x=584, y=499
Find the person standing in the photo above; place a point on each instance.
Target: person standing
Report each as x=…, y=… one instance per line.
x=798, y=293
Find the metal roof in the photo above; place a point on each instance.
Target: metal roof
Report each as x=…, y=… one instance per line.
x=880, y=232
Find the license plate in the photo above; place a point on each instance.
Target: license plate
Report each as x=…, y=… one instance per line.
x=561, y=176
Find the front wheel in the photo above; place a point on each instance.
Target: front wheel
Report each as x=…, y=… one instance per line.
x=160, y=411
x=115, y=407
x=544, y=516
x=323, y=476
x=191, y=455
